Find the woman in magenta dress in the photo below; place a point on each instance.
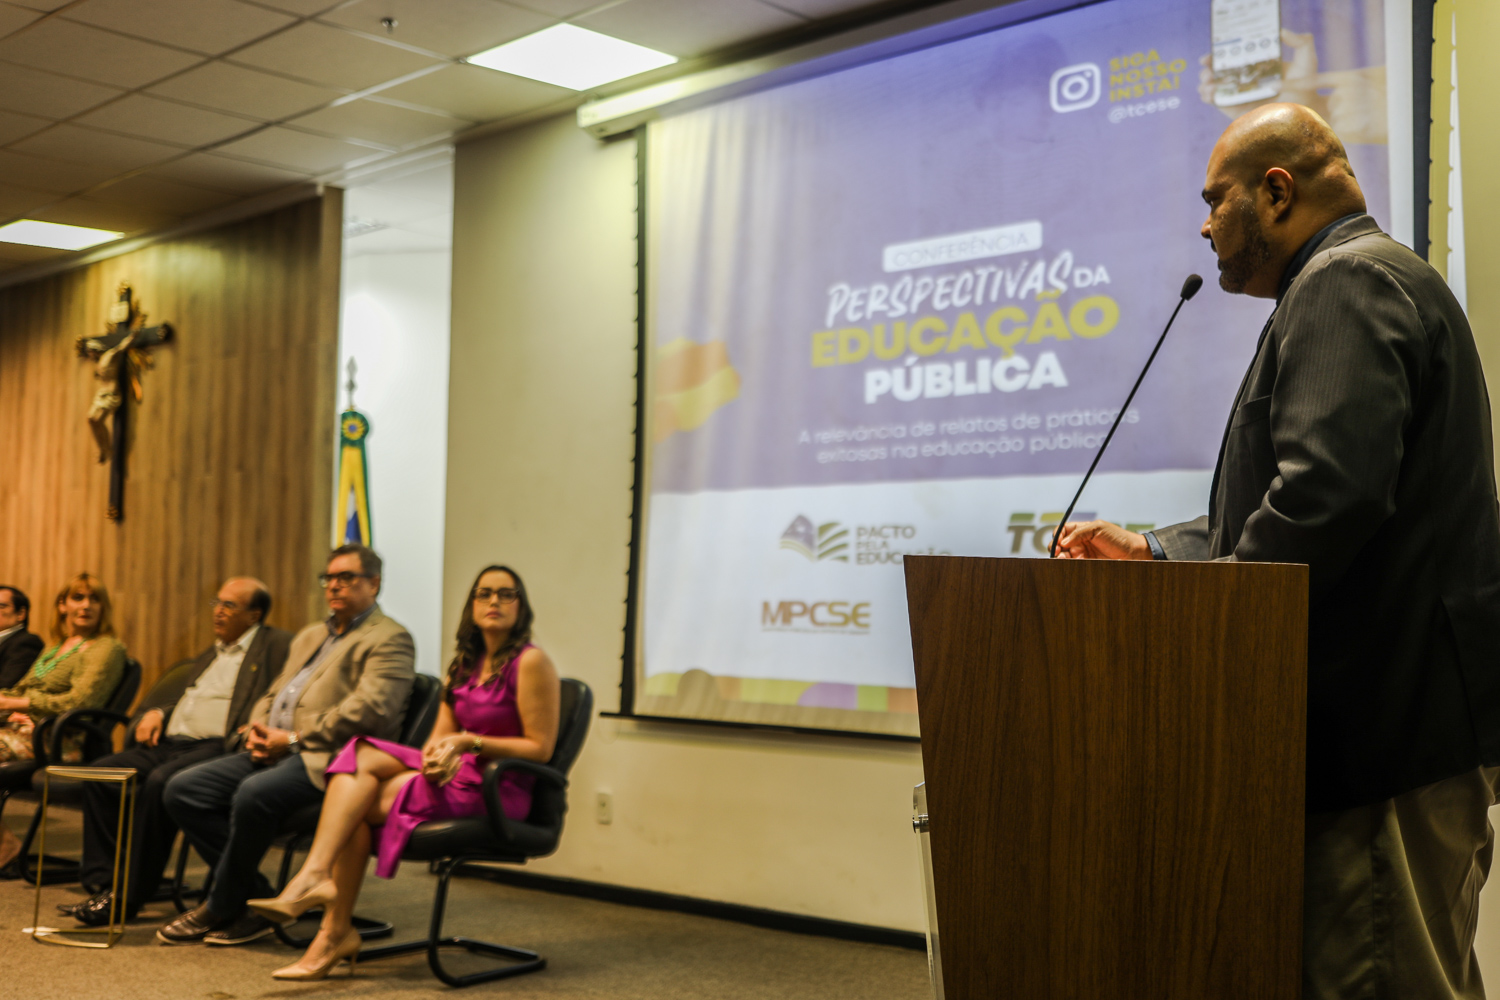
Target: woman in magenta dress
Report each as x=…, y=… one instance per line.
x=500, y=699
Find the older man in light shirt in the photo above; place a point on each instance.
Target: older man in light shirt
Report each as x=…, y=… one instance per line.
x=174, y=729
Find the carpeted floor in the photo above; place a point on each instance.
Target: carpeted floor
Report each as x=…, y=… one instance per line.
x=593, y=949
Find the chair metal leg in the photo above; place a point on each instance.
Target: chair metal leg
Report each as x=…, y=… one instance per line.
x=522, y=961
x=369, y=930
x=178, y=891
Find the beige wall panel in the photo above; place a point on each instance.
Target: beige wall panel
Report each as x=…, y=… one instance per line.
x=1479, y=121
x=542, y=394
x=230, y=452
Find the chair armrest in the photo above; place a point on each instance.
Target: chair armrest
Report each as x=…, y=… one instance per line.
x=85, y=719
x=39, y=734
x=502, y=824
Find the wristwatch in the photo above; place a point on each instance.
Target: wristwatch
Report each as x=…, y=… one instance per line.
x=294, y=743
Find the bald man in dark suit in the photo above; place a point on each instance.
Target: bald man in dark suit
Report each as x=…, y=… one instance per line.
x=1360, y=444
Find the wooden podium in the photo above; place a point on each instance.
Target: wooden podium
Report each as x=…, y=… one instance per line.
x=1114, y=766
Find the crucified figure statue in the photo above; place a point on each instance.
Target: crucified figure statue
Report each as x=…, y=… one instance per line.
x=119, y=358
x=109, y=395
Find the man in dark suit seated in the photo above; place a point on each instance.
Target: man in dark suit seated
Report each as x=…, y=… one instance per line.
x=1360, y=445
x=223, y=685
x=19, y=648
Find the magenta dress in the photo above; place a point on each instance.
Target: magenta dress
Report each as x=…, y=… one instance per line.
x=487, y=710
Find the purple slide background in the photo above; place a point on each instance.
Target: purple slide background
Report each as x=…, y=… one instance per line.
x=786, y=192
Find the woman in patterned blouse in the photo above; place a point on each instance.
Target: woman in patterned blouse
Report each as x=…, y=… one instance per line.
x=81, y=670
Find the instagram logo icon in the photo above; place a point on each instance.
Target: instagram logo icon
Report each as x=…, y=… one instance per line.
x=1075, y=87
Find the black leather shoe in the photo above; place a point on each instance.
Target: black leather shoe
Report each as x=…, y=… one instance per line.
x=94, y=912
x=68, y=909
x=248, y=927
x=190, y=928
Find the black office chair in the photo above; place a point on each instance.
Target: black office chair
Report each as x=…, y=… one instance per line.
x=24, y=777
x=297, y=832
x=451, y=844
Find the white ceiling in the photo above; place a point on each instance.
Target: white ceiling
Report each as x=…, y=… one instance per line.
x=135, y=115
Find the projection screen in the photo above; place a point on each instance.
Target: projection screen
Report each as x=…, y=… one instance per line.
x=892, y=310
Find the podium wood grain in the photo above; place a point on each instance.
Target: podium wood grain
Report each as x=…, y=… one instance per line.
x=1114, y=765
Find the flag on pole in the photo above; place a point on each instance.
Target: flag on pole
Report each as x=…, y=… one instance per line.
x=354, y=480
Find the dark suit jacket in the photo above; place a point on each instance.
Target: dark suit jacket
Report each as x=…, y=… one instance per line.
x=18, y=651
x=263, y=661
x=1359, y=444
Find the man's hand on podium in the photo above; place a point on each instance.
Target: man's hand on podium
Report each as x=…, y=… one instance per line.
x=1100, y=540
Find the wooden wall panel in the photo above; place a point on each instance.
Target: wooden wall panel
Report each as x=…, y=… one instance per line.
x=230, y=467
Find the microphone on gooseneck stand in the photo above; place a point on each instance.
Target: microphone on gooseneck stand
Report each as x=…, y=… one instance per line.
x=1189, y=289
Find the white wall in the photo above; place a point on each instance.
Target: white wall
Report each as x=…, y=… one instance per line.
x=394, y=323
x=542, y=392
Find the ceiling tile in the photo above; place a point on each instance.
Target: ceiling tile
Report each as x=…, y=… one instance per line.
x=220, y=173
x=88, y=146
x=39, y=93
x=822, y=8
x=16, y=255
x=304, y=8
x=13, y=126
x=82, y=51
x=245, y=91
x=687, y=28
x=557, y=8
x=14, y=18
x=210, y=26
x=331, y=56
x=127, y=219
x=158, y=194
x=167, y=121
x=383, y=123
x=285, y=147
x=478, y=94
x=452, y=27
x=50, y=175
x=17, y=201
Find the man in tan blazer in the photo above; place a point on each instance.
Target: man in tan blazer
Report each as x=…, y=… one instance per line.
x=347, y=676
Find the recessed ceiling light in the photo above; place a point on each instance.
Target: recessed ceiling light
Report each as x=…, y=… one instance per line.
x=55, y=235
x=573, y=57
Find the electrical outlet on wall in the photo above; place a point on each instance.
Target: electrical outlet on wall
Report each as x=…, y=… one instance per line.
x=604, y=807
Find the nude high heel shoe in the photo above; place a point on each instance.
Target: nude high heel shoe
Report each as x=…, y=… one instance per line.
x=348, y=948
x=285, y=911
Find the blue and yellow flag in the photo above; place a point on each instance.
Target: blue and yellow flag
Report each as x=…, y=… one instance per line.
x=354, y=479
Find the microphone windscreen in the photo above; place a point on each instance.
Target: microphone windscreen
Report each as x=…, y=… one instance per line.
x=1190, y=286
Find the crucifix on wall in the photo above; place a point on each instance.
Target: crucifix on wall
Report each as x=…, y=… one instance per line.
x=119, y=356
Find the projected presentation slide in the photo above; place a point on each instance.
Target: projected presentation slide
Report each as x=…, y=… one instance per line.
x=893, y=310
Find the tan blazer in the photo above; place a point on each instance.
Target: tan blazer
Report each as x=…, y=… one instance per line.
x=360, y=688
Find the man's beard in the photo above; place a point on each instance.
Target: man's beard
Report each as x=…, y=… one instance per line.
x=1236, y=271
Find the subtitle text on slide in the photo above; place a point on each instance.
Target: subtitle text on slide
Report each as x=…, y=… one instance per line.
x=1019, y=433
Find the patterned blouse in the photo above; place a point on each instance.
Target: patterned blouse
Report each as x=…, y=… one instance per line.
x=84, y=677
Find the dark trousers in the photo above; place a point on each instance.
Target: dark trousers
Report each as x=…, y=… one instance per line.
x=153, y=831
x=230, y=810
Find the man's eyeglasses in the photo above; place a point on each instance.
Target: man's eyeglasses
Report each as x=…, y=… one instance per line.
x=506, y=595
x=326, y=580
x=228, y=606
